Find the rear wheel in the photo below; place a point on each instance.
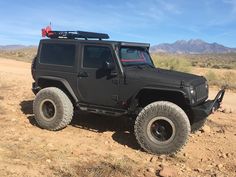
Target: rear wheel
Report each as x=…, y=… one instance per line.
x=162, y=128
x=52, y=108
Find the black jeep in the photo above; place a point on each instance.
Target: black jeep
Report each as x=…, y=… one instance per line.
x=80, y=70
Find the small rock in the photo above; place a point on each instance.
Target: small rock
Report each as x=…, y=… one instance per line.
x=151, y=170
x=214, y=175
x=209, y=167
x=1, y=98
x=48, y=161
x=209, y=159
x=49, y=145
x=219, y=166
x=106, y=142
x=162, y=157
x=16, y=160
x=227, y=154
x=182, y=165
x=220, y=131
x=172, y=155
x=152, y=159
x=224, y=156
x=224, y=110
x=206, y=129
x=12, y=130
x=20, y=139
x=227, y=110
x=198, y=133
x=188, y=169
x=168, y=172
x=199, y=170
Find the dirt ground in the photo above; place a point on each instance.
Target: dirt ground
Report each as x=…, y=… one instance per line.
x=101, y=146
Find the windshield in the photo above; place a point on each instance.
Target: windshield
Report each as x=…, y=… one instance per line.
x=134, y=56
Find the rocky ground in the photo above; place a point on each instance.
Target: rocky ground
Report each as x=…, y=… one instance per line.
x=101, y=146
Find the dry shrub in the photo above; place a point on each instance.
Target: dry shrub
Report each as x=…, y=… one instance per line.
x=26, y=54
x=106, y=168
x=172, y=62
x=211, y=77
x=227, y=79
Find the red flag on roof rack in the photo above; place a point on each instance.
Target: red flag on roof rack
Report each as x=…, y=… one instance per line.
x=47, y=32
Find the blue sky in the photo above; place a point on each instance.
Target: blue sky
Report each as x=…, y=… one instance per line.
x=152, y=21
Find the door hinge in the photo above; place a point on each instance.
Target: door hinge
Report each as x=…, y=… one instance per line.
x=114, y=97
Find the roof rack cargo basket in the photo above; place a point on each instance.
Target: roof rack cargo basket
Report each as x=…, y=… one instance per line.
x=72, y=34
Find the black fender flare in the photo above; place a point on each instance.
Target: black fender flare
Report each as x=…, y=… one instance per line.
x=65, y=84
x=133, y=98
x=161, y=89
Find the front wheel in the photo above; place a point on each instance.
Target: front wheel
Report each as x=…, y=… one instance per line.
x=162, y=128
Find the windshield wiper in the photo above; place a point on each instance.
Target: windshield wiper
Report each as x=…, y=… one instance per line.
x=147, y=64
x=135, y=66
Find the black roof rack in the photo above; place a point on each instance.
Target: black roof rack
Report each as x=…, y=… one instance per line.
x=73, y=34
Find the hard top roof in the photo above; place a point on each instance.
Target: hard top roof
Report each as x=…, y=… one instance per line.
x=121, y=43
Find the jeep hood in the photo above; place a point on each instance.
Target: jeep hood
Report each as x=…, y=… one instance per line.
x=164, y=77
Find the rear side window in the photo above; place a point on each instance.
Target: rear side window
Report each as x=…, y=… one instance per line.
x=96, y=56
x=58, y=54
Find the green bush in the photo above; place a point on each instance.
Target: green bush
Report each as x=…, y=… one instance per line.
x=211, y=77
x=229, y=78
x=171, y=62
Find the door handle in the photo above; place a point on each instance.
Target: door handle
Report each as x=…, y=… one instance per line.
x=114, y=73
x=82, y=74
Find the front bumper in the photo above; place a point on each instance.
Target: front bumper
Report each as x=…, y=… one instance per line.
x=208, y=107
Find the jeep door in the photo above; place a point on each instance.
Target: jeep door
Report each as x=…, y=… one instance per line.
x=96, y=84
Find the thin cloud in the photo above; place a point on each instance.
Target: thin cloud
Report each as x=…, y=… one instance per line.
x=232, y=4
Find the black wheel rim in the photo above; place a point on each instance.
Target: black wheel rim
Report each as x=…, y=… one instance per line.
x=48, y=109
x=161, y=130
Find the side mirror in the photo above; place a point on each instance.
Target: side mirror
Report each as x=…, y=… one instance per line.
x=109, y=66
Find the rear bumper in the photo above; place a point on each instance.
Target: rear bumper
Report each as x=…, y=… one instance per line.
x=35, y=88
x=208, y=107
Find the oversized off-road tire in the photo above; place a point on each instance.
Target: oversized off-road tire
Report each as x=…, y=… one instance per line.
x=162, y=127
x=52, y=108
x=197, y=125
